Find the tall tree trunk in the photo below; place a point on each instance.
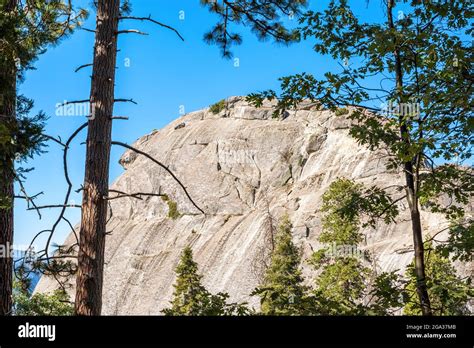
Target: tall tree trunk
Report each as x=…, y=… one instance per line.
x=7, y=118
x=96, y=180
x=410, y=178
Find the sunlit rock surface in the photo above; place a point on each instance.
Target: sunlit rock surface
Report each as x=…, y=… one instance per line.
x=245, y=169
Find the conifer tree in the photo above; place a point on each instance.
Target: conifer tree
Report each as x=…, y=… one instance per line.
x=96, y=178
x=99, y=128
x=191, y=298
x=283, y=291
x=346, y=285
x=26, y=28
x=263, y=17
x=343, y=280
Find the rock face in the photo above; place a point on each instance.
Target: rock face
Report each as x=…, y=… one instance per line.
x=245, y=170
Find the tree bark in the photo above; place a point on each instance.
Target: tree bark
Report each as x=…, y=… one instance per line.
x=96, y=180
x=410, y=179
x=7, y=118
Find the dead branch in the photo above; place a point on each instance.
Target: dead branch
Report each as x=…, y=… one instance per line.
x=29, y=199
x=137, y=195
x=162, y=166
x=56, y=206
x=119, y=118
x=57, y=141
x=74, y=102
x=82, y=67
x=69, y=183
x=89, y=30
x=131, y=31
x=45, y=252
x=149, y=19
x=122, y=100
x=72, y=229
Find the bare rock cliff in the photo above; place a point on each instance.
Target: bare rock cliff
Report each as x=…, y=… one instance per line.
x=245, y=170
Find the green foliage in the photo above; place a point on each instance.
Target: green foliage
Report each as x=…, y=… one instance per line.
x=460, y=243
x=434, y=107
x=345, y=284
x=20, y=139
x=125, y=8
x=54, y=304
x=421, y=61
x=343, y=277
x=388, y=293
x=30, y=28
x=342, y=111
x=449, y=294
x=295, y=89
x=5, y=202
x=263, y=17
x=191, y=298
x=173, y=212
x=341, y=219
x=217, y=107
x=282, y=291
x=447, y=180
x=27, y=30
x=347, y=203
x=342, y=283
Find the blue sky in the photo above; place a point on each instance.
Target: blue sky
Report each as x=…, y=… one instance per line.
x=165, y=74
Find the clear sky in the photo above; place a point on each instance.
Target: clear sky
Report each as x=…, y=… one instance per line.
x=165, y=74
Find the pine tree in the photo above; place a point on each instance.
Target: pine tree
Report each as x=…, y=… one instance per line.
x=264, y=17
x=191, y=298
x=96, y=178
x=282, y=291
x=345, y=284
x=26, y=30
x=7, y=119
x=99, y=133
x=343, y=278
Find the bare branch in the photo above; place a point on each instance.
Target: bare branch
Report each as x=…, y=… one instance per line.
x=58, y=140
x=137, y=195
x=122, y=100
x=153, y=21
x=119, y=118
x=56, y=206
x=89, y=30
x=29, y=199
x=74, y=102
x=131, y=31
x=162, y=166
x=82, y=66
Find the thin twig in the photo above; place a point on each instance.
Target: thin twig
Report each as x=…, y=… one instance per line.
x=162, y=166
x=82, y=66
x=131, y=31
x=153, y=21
